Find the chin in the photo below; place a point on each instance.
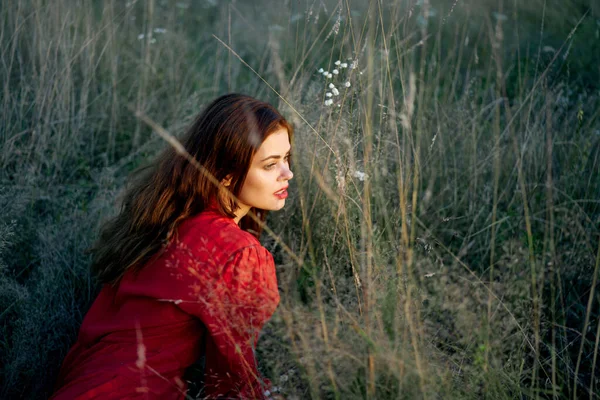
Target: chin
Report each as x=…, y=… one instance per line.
x=277, y=206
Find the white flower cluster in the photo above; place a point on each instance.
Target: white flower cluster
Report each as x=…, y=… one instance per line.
x=326, y=74
x=151, y=39
x=333, y=90
x=360, y=175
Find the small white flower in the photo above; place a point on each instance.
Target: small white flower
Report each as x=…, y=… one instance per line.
x=325, y=73
x=499, y=16
x=328, y=94
x=331, y=86
x=335, y=72
x=335, y=91
x=360, y=175
x=354, y=64
x=320, y=70
x=347, y=84
x=160, y=30
x=338, y=62
x=344, y=65
x=328, y=102
x=141, y=36
x=152, y=41
x=329, y=75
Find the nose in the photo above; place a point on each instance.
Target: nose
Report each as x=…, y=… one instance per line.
x=286, y=173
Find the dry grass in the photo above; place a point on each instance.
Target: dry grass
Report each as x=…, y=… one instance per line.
x=444, y=218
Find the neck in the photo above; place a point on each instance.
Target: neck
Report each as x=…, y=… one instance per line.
x=241, y=213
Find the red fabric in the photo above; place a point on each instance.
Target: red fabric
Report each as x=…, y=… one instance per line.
x=137, y=340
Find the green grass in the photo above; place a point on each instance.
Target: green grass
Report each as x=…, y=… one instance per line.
x=463, y=264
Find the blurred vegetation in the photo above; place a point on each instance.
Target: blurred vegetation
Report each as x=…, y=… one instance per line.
x=447, y=212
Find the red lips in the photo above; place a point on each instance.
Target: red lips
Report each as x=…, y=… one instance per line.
x=282, y=193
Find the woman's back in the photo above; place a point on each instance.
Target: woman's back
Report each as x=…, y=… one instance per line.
x=138, y=338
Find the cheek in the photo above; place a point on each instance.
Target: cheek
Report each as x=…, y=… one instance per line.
x=256, y=182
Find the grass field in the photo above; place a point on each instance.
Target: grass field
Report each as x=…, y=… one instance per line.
x=442, y=235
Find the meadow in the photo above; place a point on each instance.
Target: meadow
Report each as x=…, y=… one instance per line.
x=441, y=239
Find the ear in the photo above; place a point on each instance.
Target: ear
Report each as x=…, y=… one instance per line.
x=226, y=181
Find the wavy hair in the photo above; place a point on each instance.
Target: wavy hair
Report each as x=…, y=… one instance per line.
x=223, y=139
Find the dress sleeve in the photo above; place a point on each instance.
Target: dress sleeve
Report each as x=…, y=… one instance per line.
x=233, y=301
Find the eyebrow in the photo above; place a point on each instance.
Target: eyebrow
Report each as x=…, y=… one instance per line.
x=274, y=156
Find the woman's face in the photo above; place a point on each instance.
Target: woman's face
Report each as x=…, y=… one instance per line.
x=267, y=180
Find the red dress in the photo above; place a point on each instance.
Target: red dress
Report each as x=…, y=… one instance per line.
x=215, y=284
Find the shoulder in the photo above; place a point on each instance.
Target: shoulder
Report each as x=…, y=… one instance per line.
x=219, y=232
x=254, y=254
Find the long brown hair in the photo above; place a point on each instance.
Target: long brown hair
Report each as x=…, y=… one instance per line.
x=223, y=139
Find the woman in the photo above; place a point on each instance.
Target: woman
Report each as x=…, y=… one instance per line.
x=184, y=275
